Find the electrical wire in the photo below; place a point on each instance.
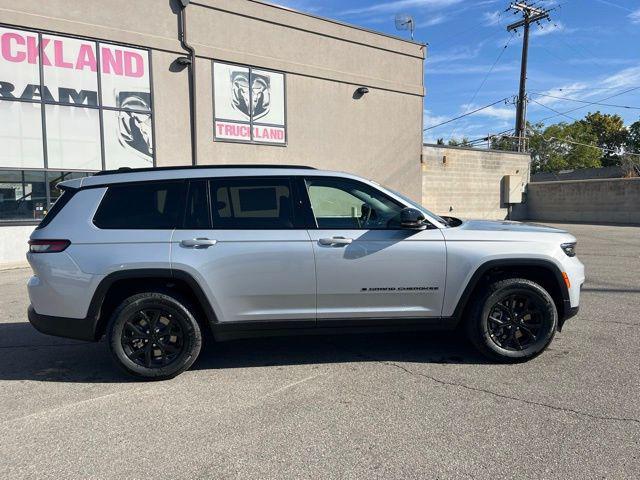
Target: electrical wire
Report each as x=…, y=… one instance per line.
x=465, y=114
x=590, y=103
x=585, y=101
x=550, y=139
x=553, y=110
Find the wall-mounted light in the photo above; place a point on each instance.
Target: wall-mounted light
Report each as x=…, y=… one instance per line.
x=360, y=92
x=183, y=61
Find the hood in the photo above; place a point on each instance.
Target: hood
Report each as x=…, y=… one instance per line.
x=507, y=226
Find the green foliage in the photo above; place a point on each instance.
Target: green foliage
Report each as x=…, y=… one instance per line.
x=611, y=135
x=563, y=146
x=633, y=138
x=454, y=142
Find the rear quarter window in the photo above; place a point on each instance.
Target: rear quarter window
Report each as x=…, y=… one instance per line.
x=142, y=206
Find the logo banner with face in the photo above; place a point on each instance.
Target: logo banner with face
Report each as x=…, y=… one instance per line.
x=249, y=104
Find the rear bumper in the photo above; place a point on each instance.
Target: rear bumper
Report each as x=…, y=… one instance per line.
x=77, y=328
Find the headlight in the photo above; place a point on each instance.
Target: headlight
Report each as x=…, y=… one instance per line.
x=569, y=249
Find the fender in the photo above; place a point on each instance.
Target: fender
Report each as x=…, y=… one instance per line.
x=515, y=262
x=95, y=307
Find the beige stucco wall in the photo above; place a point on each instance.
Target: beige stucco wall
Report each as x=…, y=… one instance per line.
x=378, y=136
x=467, y=182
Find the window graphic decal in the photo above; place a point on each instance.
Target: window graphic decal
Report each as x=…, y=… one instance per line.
x=79, y=104
x=249, y=104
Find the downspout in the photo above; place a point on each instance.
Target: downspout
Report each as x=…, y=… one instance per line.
x=182, y=34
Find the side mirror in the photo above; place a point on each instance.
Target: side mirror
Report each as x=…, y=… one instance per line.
x=412, y=218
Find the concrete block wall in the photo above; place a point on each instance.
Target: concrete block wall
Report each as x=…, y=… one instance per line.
x=613, y=200
x=467, y=182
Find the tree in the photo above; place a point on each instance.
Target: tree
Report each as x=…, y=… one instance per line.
x=440, y=141
x=633, y=138
x=563, y=146
x=611, y=135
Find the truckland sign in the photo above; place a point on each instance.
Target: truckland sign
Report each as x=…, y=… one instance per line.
x=249, y=104
x=71, y=83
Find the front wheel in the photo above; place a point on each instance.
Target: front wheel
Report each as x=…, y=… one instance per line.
x=512, y=320
x=154, y=336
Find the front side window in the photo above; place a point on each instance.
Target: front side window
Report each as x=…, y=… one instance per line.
x=252, y=203
x=341, y=203
x=152, y=206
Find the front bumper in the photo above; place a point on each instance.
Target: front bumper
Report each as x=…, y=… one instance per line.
x=76, y=328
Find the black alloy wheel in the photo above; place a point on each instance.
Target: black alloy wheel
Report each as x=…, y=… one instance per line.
x=512, y=320
x=154, y=335
x=516, y=321
x=152, y=338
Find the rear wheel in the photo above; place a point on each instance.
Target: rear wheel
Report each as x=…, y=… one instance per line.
x=512, y=320
x=154, y=335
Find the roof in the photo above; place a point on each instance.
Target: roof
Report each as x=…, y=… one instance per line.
x=132, y=175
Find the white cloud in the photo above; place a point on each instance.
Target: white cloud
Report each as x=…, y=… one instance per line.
x=430, y=119
x=629, y=77
x=435, y=20
x=300, y=5
x=459, y=53
x=549, y=28
x=464, y=69
x=635, y=16
x=496, y=112
x=397, y=5
x=492, y=18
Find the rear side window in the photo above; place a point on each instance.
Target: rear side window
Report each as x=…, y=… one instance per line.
x=152, y=206
x=252, y=203
x=57, y=207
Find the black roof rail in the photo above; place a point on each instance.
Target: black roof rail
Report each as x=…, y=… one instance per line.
x=195, y=167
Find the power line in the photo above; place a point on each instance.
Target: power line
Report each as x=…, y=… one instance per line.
x=585, y=101
x=590, y=103
x=588, y=145
x=465, y=114
x=553, y=110
x=486, y=76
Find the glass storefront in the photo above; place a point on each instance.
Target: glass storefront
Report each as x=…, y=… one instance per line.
x=68, y=107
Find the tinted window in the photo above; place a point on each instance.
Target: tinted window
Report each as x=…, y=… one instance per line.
x=340, y=203
x=197, y=211
x=252, y=203
x=142, y=206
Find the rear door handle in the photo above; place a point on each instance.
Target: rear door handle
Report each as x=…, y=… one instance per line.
x=198, y=242
x=335, y=241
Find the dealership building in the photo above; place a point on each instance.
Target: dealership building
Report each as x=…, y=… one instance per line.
x=88, y=85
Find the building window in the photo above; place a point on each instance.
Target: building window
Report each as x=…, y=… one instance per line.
x=249, y=104
x=67, y=105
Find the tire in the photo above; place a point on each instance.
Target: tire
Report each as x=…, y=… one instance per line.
x=168, y=344
x=512, y=320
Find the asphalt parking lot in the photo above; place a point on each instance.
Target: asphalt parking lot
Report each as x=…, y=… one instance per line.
x=378, y=406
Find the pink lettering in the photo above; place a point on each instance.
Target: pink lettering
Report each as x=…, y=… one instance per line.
x=86, y=58
x=58, y=54
x=133, y=64
x=7, y=52
x=33, y=51
x=111, y=63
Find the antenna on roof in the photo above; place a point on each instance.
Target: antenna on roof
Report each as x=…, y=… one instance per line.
x=405, y=22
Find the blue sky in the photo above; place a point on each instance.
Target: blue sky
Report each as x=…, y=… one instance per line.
x=589, y=51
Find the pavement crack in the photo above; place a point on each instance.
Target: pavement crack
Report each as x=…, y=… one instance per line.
x=501, y=395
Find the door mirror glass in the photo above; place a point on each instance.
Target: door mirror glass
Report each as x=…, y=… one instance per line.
x=412, y=218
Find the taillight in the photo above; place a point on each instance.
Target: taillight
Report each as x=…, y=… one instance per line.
x=48, y=246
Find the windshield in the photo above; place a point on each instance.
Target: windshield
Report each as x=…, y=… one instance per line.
x=418, y=206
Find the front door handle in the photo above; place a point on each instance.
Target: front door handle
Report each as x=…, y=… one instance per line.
x=335, y=241
x=198, y=242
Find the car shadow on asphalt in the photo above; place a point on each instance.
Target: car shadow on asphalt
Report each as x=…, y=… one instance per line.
x=28, y=355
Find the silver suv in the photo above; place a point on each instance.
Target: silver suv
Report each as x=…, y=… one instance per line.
x=153, y=257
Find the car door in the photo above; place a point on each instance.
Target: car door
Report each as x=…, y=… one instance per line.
x=245, y=242
x=367, y=266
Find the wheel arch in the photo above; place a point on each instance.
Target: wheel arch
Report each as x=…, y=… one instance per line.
x=117, y=286
x=544, y=272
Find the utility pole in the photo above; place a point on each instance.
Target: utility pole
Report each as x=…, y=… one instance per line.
x=530, y=15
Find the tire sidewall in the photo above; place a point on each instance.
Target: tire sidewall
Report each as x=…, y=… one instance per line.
x=192, y=336
x=549, y=312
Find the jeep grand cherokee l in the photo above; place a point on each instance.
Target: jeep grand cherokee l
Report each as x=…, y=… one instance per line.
x=152, y=257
